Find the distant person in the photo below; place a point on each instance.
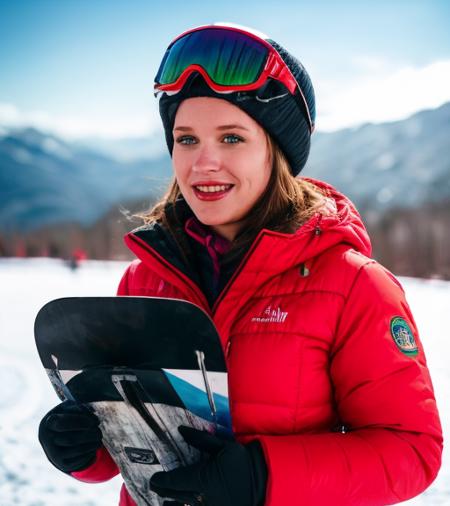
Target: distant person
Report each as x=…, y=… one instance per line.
x=77, y=256
x=330, y=395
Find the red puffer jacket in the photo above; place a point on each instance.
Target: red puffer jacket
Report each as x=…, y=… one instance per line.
x=317, y=335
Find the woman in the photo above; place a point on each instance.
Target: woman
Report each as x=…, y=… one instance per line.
x=330, y=396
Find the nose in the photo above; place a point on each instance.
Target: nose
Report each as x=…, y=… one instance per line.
x=207, y=160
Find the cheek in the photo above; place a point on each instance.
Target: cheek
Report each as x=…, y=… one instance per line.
x=259, y=173
x=267, y=172
x=180, y=166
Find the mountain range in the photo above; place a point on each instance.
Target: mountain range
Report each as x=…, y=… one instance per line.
x=46, y=180
x=381, y=166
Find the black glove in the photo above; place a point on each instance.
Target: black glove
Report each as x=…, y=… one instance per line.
x=232, y=475
x=70, y=436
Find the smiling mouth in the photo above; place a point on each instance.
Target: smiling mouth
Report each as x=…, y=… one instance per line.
x=213, y=188
x=212, y=192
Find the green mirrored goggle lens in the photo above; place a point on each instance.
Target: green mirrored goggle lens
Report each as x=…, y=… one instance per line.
x=229, y=58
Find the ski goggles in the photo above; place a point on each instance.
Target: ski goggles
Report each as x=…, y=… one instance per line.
x=229, y=59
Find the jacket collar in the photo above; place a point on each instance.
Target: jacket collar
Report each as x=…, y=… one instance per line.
x=271, y=254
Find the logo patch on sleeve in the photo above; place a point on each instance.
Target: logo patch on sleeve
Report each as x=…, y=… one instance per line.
x=403, y=336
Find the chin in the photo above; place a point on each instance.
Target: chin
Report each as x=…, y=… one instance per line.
x=210, y=221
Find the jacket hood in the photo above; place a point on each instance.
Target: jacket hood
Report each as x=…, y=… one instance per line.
x=337, y=221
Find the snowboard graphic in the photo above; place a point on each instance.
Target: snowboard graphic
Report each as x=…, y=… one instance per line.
x=144, y=365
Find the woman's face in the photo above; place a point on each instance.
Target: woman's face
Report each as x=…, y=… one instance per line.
x=221, y=161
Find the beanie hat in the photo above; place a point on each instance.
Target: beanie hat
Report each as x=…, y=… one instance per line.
x=283, y=115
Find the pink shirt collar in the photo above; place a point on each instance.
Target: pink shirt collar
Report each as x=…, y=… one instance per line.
x=206, y=236
x=214, y=243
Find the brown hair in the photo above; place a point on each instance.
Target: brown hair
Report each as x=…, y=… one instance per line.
x=284, y=206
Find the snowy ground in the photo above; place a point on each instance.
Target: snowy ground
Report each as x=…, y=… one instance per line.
x=28, y=479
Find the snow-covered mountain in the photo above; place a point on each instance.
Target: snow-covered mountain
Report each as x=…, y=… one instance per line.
x=380, y=166
x=45, y=180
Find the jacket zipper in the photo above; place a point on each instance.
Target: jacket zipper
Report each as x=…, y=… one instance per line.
x=227, y=287
x=227, y=349
x=235, y=274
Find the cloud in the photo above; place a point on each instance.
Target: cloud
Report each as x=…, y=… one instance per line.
x=382, y=95
x=371, y=64
x=9, y=114
x=75, y=127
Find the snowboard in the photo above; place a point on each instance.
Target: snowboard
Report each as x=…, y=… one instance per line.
x=144, y=366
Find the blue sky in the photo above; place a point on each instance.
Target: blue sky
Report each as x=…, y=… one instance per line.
x=84, y=67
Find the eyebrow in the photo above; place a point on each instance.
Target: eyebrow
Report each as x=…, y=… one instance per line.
x=222, y=127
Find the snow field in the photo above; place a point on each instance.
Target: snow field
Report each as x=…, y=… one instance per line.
x=26, y=476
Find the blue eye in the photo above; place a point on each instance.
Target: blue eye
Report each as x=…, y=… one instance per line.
x=233, y=139
x=186, y=140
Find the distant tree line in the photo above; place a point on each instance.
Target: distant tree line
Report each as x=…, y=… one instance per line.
x=409, y=242
x=413, y=242
x=102, y=240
